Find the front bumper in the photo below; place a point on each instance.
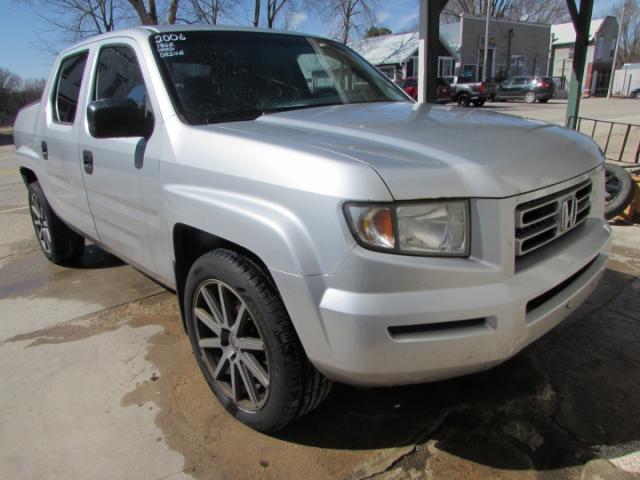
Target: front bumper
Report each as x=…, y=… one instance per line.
x=389, y=319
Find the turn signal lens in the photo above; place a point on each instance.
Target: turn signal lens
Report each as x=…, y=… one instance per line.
x=373, y=225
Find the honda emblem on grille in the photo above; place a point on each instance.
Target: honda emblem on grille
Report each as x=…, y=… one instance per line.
x=569, y=213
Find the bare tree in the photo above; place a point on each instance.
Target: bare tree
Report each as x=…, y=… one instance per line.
x=8, y=80
x=210, y=11
x=273, y=9
x=547, y=12
x=148, y=13
x=348, y=16
x=629, y=49
x=498, y=8
x=256, y=13
x=15, y=94
x=72, y=20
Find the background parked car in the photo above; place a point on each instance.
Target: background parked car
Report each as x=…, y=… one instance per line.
x=410, y=86
x=528, y=89
x=466, y=92
x=635, y=93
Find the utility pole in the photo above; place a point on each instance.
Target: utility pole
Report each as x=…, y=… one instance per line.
x=485, y=57
x=510, y=36
x=615, y=55
x=429, y=44
x=581, y=19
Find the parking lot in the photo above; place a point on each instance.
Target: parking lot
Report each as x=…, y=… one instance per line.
x=98, y=381
x=623, y=110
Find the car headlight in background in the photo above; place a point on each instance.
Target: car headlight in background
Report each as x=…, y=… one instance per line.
x=425, y=228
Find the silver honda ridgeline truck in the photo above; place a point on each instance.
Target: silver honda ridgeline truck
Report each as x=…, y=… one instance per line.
x=315, y=223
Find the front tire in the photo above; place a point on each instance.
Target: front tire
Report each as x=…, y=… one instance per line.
x=245, y=344
x=530, y=97
x=59, y=243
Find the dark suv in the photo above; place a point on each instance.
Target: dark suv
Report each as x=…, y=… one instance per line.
x=528, y=89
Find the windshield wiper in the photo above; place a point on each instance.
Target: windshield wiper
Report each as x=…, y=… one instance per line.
x=233, y=116
x=253, y=114
x=300, y=107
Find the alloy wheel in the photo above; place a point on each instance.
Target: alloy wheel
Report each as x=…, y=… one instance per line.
x=231, y=345
x=41, y=224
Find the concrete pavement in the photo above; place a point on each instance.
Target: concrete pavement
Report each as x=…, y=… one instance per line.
x=98, y=381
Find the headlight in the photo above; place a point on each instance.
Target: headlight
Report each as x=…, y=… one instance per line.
x=429, y=228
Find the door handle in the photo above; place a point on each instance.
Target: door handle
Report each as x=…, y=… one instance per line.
x=45, y=150
x=87, y=161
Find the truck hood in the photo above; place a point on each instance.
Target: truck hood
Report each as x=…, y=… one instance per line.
x=432, y=151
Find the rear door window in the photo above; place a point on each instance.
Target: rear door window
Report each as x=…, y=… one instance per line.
x=68, y=84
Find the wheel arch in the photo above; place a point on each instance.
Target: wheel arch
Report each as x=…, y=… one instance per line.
x=28, y=175
x=190, y=243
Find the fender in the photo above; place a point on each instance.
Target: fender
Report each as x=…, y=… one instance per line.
x=285, y=207
x=277, y=235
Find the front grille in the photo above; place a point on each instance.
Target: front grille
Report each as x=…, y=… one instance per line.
x=544, y=219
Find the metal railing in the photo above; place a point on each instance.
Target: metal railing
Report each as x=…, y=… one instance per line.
x=617, y=140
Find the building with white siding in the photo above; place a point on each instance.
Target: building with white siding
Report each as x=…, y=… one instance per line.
x=602, y=44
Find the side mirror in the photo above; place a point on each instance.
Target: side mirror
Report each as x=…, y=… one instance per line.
x=118, y=117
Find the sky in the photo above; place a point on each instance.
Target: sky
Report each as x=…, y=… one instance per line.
x=20, y=28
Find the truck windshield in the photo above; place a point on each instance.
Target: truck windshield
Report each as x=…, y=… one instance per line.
x=222, y=76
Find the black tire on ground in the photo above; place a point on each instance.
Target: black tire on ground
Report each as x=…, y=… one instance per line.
x=543, y=100
x=620, y=189
x=530, y=97
x=295, y=387
x=59, y=243
x=463, y=100
x=478, y=103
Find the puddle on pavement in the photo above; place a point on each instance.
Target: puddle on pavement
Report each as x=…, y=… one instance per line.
x=36, y=294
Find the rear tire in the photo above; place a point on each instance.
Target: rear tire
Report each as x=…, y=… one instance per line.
x=478, y=103
x=250, y=356
x=543, y=100
x=59, y=243
x=530, y=97
x=463, y=100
